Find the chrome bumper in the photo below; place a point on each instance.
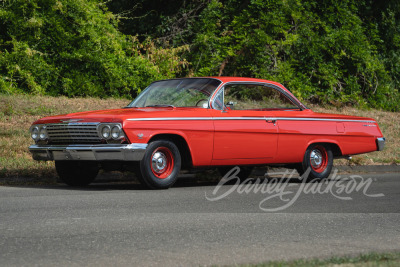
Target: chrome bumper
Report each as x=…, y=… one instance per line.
x=129, y=152
x=380, y=143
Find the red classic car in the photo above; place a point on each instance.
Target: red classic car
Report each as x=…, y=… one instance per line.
x=201, y=122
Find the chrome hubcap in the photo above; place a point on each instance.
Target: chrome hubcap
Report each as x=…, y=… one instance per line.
x=159, y=162
x=316, y=158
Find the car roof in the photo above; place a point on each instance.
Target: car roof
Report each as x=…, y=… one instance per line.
x=226, y=79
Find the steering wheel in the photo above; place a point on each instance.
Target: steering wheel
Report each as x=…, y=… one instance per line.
x=203, y=99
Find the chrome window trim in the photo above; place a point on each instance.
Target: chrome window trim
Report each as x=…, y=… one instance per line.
x=214, y=95
x=290, y=96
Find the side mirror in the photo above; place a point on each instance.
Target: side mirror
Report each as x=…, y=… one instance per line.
x=228, y=106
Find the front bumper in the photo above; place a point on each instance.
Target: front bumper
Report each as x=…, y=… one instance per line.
x=380, y=143
x=128, y=152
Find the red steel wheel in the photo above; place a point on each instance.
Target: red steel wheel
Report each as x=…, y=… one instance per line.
x=160, y=165
x=319, y=159
x=162, y=162
x=317, y=162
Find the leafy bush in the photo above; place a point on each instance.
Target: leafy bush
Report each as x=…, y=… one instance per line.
x=69, y=47
x=323, y=51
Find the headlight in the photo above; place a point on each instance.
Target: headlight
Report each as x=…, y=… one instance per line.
x=105, y=132
x=111, y=132
x=115, y=132
x=35, y=133
x=43, y=133
x=39, y=132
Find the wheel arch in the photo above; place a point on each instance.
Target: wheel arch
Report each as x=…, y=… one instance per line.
x=180, y=142
x=336, y=150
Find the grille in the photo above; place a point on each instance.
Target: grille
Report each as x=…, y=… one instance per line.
x=73, y=133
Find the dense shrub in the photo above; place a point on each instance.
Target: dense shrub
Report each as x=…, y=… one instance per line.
x=324, y=51
x=70, y=47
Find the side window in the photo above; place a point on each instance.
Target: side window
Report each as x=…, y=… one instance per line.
x=255, y=97
x=219, y=100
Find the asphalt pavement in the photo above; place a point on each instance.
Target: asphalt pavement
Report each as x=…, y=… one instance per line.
x=196, y=224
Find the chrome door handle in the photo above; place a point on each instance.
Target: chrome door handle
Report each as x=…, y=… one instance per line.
x=272, y=121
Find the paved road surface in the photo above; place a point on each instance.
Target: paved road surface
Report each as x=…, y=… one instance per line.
x=121, y=224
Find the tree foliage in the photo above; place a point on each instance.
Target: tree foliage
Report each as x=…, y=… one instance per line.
x=73, y=48
x=325, y=51
x=338, y=52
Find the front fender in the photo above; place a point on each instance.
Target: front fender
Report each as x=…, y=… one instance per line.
x=198, y=137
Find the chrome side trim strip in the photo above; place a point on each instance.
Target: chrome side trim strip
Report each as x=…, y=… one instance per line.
x=197, y=118
x=238, y=118
x=246, y=118
x=126, y=152
x=172, y=119
x=316, y=119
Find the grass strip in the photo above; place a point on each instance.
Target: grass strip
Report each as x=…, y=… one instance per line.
x=364, y=260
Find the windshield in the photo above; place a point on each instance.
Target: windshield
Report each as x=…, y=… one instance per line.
x=188, y=92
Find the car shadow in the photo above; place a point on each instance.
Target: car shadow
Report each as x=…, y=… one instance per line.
x=113, y=182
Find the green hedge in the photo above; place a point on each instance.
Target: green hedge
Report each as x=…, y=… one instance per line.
x=338, y=52
x=325, y=51
x=68, y=47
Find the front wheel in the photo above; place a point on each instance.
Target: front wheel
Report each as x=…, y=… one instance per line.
x=317, y=162
x=77, y=173
x=160, y=165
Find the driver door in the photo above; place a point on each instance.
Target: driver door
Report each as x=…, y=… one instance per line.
x=242, y=126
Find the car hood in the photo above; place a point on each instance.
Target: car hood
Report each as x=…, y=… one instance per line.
x=119, y=115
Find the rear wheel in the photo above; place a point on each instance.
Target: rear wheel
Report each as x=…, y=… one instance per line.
x=317, y=162
x=77, y=173
x=160, y=165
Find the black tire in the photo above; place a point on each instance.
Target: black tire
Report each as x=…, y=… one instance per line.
x=77, y=173
x=244, y=173
x=160, y=165
x=317, y=161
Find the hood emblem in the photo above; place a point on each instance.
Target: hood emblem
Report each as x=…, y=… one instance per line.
x=71, y=120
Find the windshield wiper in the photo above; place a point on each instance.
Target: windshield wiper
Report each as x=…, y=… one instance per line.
x=162, y=106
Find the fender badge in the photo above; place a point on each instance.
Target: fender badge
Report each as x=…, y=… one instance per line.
x=140, y=136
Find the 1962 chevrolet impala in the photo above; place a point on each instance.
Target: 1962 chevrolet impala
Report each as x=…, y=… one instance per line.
x=201, y=122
